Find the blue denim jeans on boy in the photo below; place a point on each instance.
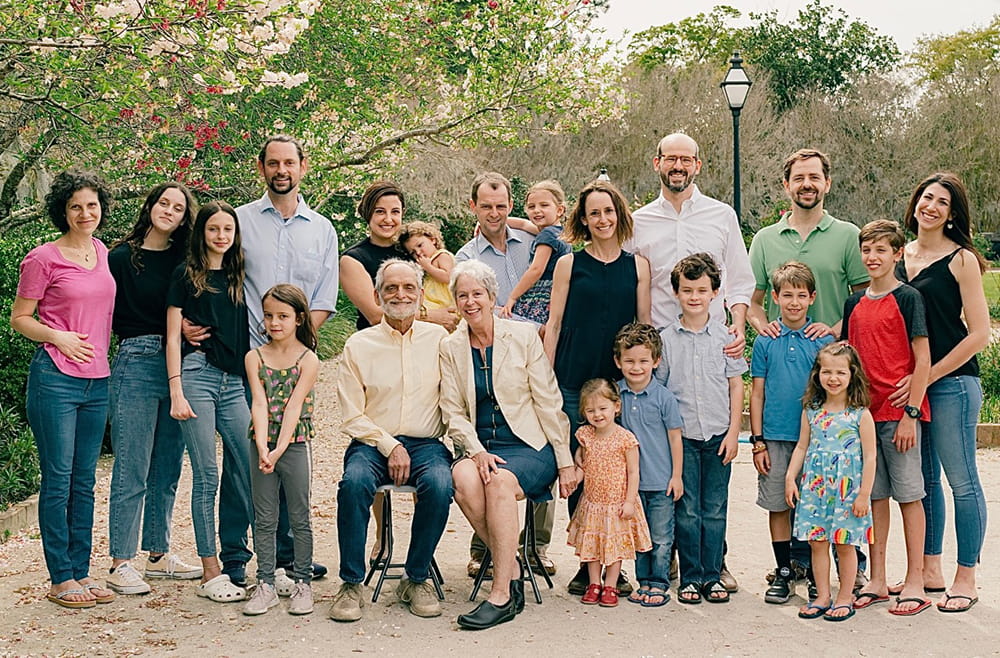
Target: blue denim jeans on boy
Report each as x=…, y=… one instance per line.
x=67, y=416
x=218, y=401
x=652, y=568
x=701, y=511
x=148, y=447
x=949, y=441
x=365, y=469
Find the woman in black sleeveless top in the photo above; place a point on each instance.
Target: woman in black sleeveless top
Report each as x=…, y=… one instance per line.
x=944, y=266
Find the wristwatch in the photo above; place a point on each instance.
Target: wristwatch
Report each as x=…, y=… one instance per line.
x=912, y=412
x=757, y=441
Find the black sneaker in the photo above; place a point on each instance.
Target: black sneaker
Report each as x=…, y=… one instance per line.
x=578, y=586
x=623, y=586
x=812, y=589
x=780, y=590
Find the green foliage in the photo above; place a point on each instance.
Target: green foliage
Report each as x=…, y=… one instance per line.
x=701, y=38
x=19, y=472
x=15, y=349
x=335, y=331
x=954, y=57
x=989, y=370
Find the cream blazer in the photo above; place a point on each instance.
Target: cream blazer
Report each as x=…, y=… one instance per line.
x=523, y=383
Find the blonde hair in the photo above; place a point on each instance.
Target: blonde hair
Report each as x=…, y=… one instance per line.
x=415, y=229
x=551, y=186
x=600, y=386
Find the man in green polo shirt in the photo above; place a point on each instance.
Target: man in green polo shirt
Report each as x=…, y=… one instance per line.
x=812, y=236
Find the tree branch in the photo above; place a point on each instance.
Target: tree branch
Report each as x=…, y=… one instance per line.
x=28, y=160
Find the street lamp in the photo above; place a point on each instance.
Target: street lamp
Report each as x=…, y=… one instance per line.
x=603, y=175
x=736, y=86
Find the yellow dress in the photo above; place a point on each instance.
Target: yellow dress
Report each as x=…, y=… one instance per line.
x=436, y=294
x=597, y=530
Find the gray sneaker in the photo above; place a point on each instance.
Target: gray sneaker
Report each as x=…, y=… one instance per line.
x=420, y=597
x=301, y=602
x=263, y=599
x=284, y=585
x=124, y=579
x=348, y=602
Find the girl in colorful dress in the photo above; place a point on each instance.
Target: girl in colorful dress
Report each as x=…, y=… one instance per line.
x=836, y=455
x=608, y=525
x=281, y=375
x=544, y=205
x=423, y=241
x=206, y=382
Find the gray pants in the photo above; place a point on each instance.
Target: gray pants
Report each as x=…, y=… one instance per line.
x=293, y=472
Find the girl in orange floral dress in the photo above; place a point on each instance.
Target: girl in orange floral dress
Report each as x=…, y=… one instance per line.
x=608, y=525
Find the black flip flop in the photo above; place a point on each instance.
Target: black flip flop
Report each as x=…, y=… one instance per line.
x=948, y=597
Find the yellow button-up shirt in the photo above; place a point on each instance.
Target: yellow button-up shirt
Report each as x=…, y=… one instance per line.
x=389, y=384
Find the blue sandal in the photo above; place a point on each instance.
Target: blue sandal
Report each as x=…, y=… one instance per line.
x=818, y=611
x=850, y=613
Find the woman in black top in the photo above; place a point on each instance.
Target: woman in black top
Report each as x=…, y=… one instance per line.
x=146, y=441
x=944, y=266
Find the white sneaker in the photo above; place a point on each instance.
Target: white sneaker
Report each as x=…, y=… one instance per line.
x=284, y=585
x=170, y=566
x=124, y=579
x=262, y=600
x=302, y=600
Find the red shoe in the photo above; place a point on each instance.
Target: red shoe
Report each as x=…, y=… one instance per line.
x=592, y=595
x=609, y=597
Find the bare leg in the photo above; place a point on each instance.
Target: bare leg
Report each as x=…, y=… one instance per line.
x=847, y=569
x=876, y=559
x=210, y=568
x=470, y=494
x=502, y=493
x=913, y=533
x=933, y=573
x=963, y=585
x=611, y=573
x=594, y=572
x=821, y=573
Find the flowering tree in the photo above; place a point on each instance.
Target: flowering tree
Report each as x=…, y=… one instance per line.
x=148, y=89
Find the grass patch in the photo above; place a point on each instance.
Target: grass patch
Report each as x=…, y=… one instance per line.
x=991, y=286
x=334, y=332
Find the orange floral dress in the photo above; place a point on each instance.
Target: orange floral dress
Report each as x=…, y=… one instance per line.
x=597, y=530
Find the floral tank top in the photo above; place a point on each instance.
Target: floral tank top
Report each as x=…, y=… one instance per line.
x=278, y=385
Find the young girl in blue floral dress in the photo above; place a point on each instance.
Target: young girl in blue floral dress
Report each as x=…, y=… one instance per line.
x=836, y=455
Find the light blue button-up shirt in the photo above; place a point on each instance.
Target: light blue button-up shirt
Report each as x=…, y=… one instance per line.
x=650, y=414
x=509, y=267
x=301, y=250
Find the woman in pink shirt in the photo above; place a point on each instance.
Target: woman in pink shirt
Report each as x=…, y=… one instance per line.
x=65, y=298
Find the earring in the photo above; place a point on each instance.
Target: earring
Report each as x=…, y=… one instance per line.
x=950, y=225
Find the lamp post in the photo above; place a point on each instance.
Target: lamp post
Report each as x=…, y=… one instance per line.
x=603, y=175
x=736, y=86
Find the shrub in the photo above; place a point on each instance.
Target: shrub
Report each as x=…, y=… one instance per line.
x=989, y=370
x=15, y=349
x=19, y=473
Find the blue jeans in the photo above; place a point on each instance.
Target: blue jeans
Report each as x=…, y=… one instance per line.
x=218, y=401
x=949, y=441
x=67, y=415
x=652, y=568
x=571, y=407
x=148, y=447
x=701, y=511
x=365, y=469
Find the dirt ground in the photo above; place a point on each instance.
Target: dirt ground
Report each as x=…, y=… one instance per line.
x=172, y=620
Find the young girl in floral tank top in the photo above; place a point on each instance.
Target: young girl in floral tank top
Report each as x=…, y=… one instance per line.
x=281, y=375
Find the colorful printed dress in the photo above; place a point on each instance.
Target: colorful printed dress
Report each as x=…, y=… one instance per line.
x=596, y=530
x=278, y=386
x=831, y=477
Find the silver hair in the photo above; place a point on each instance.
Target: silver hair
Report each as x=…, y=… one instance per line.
x=480, y=272
x=418, y=273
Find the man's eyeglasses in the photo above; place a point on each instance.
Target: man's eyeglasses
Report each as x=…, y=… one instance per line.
x=685, y=160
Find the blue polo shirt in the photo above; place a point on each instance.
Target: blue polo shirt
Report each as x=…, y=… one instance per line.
x=649, y=414
x=784, y=363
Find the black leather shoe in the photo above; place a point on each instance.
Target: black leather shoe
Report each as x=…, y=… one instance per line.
x=517, y=595
x=780, y=589
x=578, y=585
x=486, y=615
x=237, y=572
x=623, y=586
x=319, y=570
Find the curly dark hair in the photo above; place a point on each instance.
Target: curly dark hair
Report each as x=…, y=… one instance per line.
x=635, y=334
x=65, y=185
x=694, y=267
x=179, y=238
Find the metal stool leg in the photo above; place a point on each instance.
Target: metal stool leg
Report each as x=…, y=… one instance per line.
x=531, y=544
x=484, y=567
x=387, y=541
x=529, y=540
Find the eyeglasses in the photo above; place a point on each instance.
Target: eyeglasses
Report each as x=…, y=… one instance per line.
x=685, y=160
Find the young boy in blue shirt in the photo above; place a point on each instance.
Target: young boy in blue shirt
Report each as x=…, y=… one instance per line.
x=780, y=370
x=650, y=411
x=709, y=389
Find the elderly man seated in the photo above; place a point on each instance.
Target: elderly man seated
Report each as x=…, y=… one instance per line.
x=389, y=396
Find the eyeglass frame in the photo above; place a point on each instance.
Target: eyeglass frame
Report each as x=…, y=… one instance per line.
x=678, y=158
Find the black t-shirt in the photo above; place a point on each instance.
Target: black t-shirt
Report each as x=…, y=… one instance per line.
x=141, y=296
x=230, y=340
x=371, y=256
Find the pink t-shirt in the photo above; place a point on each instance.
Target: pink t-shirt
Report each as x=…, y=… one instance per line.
x=72, y=298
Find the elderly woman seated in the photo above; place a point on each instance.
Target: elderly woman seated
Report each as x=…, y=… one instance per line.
x=502, y=405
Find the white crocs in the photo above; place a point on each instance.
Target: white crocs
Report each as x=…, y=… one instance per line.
x=221, y=589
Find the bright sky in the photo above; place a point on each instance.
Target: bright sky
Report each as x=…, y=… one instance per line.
x=903, y=20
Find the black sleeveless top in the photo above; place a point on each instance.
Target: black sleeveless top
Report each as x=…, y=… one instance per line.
x=370, y=256
x=601, y=300
x=943, y=302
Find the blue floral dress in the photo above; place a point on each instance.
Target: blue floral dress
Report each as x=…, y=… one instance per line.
x=831, y=478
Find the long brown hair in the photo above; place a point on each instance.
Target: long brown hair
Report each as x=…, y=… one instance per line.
x=178, y=239
x=232, y=260
x=576, y=228
x=293, y=296
x=857, y=388
x=960, y=222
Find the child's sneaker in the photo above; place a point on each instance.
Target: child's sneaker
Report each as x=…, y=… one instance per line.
x=780, y=589
x=302, y=600
x=124, y=579
x=262, y=600
x=169, y=565
x=283, y=585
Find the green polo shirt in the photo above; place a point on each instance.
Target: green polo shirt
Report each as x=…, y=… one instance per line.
x=831, y=251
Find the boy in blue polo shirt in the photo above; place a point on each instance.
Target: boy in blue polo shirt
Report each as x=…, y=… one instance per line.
x=780, y=370
x=650, y=411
